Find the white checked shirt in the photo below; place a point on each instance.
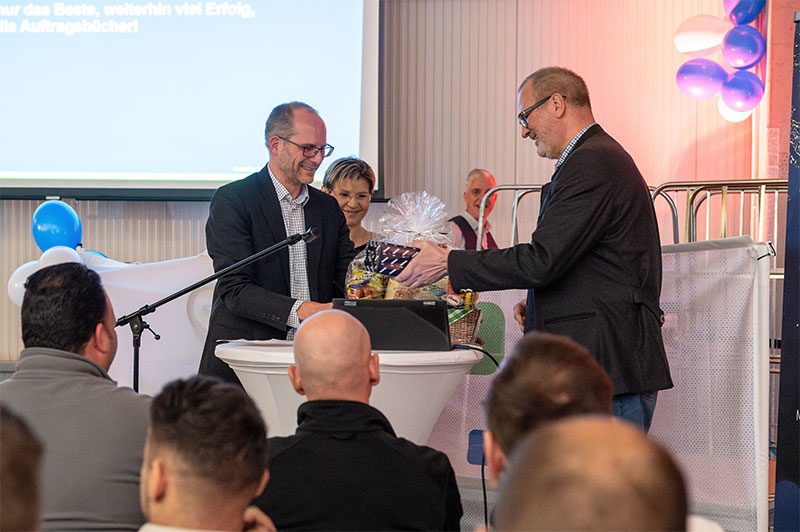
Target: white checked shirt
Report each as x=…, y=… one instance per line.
x=571, y=145
x=295, y=222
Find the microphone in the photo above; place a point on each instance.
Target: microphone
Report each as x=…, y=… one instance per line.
x=306, y=237
x=310, y=235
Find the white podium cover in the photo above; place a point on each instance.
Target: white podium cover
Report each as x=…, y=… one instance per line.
x=413, y=389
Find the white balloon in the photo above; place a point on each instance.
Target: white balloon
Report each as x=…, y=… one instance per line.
x=16, y=283
x=701, y=35
x=731, y=115
x=58, y=255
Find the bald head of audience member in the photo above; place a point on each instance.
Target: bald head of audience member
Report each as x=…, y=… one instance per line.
x=20, y=462
x=546, y=377
x=591, y=473
x=205, y=457
x=333, y=359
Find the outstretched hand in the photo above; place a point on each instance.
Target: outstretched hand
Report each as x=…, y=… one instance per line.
x=427, y=267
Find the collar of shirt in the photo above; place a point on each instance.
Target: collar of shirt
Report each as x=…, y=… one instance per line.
x=571, y=145
x=282, y=193
x=474, y=223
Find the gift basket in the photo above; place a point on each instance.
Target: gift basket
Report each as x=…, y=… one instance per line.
x=410, y=217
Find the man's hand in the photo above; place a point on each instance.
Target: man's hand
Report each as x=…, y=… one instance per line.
x=519, y=313
x=257, y=521
x=309, y=308
x=427, y=267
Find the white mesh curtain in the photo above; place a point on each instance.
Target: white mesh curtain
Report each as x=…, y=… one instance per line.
x=715, y=419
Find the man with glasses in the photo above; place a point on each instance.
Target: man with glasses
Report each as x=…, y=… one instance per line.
x=593, y=265
x=269, y=298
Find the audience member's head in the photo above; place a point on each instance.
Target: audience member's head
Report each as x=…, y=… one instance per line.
x=333, y=358
x=20, y=458
x=591, y=473
x=65, y=307
x=478, y=182
x=546, y=377
x=206, y=455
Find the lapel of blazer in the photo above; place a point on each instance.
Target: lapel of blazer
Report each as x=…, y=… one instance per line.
x=548, y=187
x=313, y=216
x=271, y=212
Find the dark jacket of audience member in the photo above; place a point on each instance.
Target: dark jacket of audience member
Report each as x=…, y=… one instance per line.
x=344, y=468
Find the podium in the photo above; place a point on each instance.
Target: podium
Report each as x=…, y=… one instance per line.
x=413, y=390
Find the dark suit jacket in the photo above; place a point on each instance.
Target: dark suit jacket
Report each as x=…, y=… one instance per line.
x=593, y=266
x=255, y=302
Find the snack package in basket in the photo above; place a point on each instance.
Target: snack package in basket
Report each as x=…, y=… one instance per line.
x=363, y=283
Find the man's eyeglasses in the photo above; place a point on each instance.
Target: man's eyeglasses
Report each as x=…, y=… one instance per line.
x=311, y=151
x=523, y=116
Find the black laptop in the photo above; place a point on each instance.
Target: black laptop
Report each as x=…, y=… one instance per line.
x=401, y=324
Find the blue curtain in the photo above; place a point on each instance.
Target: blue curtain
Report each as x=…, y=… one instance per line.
x=787, y=473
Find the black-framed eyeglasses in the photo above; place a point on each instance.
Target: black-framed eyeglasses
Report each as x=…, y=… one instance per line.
x=311, y=151
x=523, y=116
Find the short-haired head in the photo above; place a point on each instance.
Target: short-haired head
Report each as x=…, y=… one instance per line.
x=479, y=181
x=334, y=358
x=62, y=306
x=348, y=168
x=591, y=473
x=20, y=459
x=557, y=80
x=546, y=377
x=281, y=119
x=215, y=431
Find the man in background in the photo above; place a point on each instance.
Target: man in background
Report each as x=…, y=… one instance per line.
x=591, y=473
x=205, y=458
x=546, y=377
x=269, y=298
x=20, y=460
x=93, y=430
x=465, y=224
x=344, y=468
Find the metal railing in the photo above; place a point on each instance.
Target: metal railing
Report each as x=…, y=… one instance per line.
x=698, y=192
x=521, y=191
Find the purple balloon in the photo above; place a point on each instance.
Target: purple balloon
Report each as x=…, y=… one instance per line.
x=743, y=11
x=743, y=47
x=700, y=78
x=742, y=91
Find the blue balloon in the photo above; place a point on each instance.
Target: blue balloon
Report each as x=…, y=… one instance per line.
x=700, y=78
x=742, y=91
x=743, y=11
x=743, y=47
x=55, y=223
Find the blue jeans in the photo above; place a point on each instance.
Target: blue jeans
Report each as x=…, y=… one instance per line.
x=636, y=408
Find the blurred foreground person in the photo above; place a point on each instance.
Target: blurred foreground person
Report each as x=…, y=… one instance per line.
x=546, y=377
x=205, y=459
x=591, y=473
x=20, y=460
